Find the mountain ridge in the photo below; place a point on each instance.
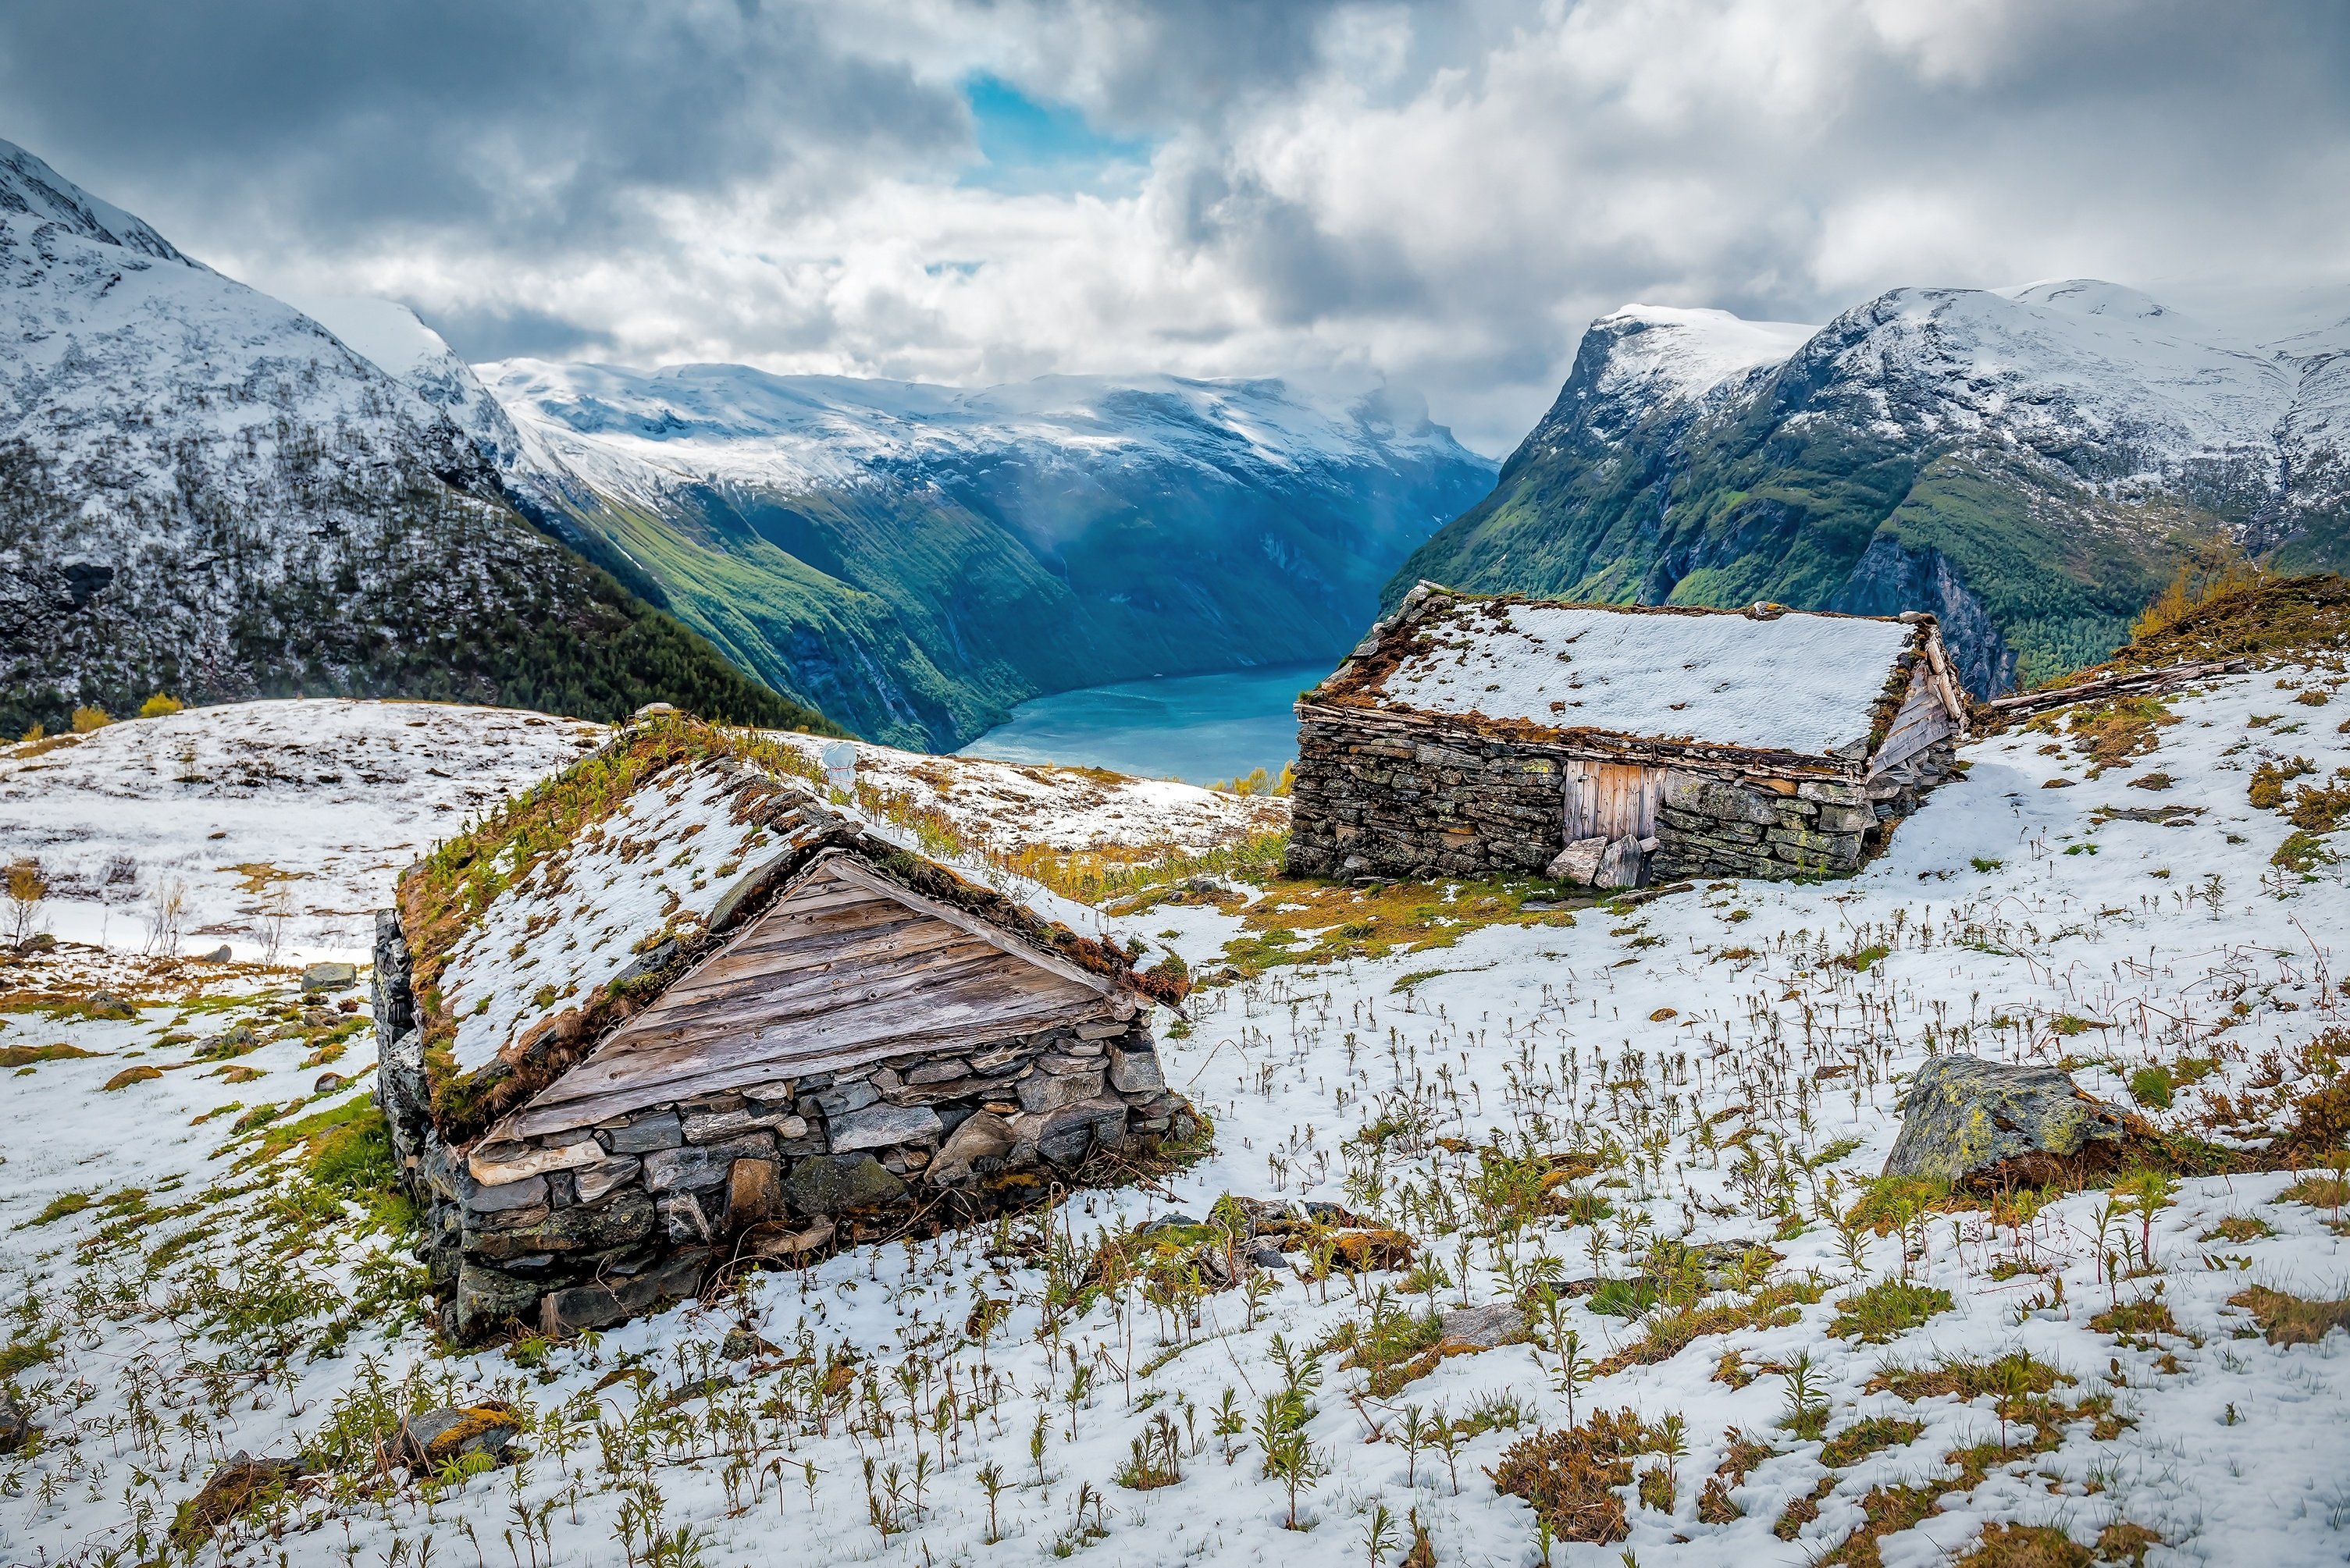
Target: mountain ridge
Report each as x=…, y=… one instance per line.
x=205, y=492
x=2030, y=463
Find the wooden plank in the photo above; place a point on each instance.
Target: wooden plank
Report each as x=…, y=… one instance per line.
x=752, y=1007
x=805, y=1048
x=916, y=936
x=541, y=1117
x=854, y=871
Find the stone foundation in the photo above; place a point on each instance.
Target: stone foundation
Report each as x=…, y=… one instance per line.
x=585, y=1227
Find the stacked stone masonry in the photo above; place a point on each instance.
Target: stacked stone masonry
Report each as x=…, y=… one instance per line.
x=1373, y=800
x=593, y=1226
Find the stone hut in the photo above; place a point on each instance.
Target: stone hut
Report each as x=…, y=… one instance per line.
x=1477, y=736
x=671, y=1013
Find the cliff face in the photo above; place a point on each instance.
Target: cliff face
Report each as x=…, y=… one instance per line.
x=2026, y=464
x=204, y=492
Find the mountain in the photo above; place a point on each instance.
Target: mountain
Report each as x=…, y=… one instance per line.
x=2030, y=463
x=204, y=492
x=914, y=559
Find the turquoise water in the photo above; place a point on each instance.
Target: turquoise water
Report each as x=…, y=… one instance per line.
x=1196, y=728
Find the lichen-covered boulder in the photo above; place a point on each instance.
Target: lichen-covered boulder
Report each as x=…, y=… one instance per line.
x=1963, y=1116
x=425, y=1442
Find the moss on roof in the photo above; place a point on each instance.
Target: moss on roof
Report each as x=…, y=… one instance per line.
x=444, y=894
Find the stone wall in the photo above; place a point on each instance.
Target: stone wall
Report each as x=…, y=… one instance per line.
x=585, y=1228
x=1374, y=801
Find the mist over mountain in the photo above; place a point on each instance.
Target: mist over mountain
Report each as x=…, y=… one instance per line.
x=2030, y=463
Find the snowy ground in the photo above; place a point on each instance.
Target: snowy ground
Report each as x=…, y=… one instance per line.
x=282, y=826
x=1731, y=1055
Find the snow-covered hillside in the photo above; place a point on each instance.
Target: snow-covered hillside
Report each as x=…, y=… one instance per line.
x=205, y=492
x=280, y=826
x=634, y=433
x=1538, y=1099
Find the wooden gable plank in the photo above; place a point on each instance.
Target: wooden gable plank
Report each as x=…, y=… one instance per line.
x=943, y=971
x=854, y=871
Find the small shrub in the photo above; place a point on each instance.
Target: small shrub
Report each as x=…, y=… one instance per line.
x=2025, y=1546
x=1886, y=1309
x=2150, y=1087
x=2154, y=780
x=1570, y=1477
x=2239, y=1227
x=2289, y=1319
x=1858, y=1441
x=160, y=706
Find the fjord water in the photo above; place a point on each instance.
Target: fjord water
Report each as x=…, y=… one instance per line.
x=1196, y=728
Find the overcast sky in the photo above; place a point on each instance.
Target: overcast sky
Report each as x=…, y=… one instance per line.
x=1439, y=194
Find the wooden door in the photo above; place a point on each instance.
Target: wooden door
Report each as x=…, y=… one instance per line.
x=1612, y=800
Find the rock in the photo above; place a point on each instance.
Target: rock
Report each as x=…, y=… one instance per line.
x=1578, y=862
x=1357, y=1251
x=107, y=1004
x=984, y=1135
x=779, y=1239
x=624, y=1221
x=1044, y=1092
x=487, y=1297
x=703, y=1165
x=424, y=1443
x=328, y=977
x=840, y=1099
x=1268, y=1256
x=604, y=1303
x=877, y=1126
x=492, y=1164
x=16, y=1427
x=1485, y=1327
x=752, y=1193
x=1963, y=1116
x=742, y=1344
x=1066, y=1135
x=1135, y=1071
x=682, y=1219
x=220, y=954
x=328, y=1083
x=130, y=1075
x=594, y=1181
x=645, y=1135
x=834, y=1183
x=239, y=1483
x=505, y=1196
x=1620, y=866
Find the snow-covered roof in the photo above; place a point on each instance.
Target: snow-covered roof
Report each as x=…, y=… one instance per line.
x=1772, y=680
x=623, y=869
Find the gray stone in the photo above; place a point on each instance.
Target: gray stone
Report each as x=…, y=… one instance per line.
x=505, y=1197
x=1109, y=1031
x=1044, y=1092
x=221, y=954
x=15, y=1425
x=646, y=1135
x=1068, y=1135
x=1494, y=1323
x=1578, y=862
x=682, y=1219
x=330, y=977
x=1135, y=1070
x=703, y=1165
x=1961, y=1115
x=833, y=1184
x=939, y=1071
x=487, y=1296
x=710, y=1126
x=981, y=1135
x=426, y=1442
x=842, y=1098
x=624, y=1221
x=606, y=1302
x=1621, y=866
x=881, y=1125
x=596, y=1180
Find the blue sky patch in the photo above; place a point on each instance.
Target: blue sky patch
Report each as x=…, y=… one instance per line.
x=1031, y=146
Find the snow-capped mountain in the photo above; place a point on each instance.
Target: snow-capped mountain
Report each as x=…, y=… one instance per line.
x=914, y=558
x=2026, y=461
x=205, y=492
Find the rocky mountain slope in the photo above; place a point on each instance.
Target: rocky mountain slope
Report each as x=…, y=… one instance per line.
x=2029, y=463
x=204, y=492
x=914, y=559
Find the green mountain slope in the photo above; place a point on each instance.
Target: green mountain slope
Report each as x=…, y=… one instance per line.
x=2002, y=463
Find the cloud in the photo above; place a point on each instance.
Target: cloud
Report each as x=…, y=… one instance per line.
x=975, y=190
